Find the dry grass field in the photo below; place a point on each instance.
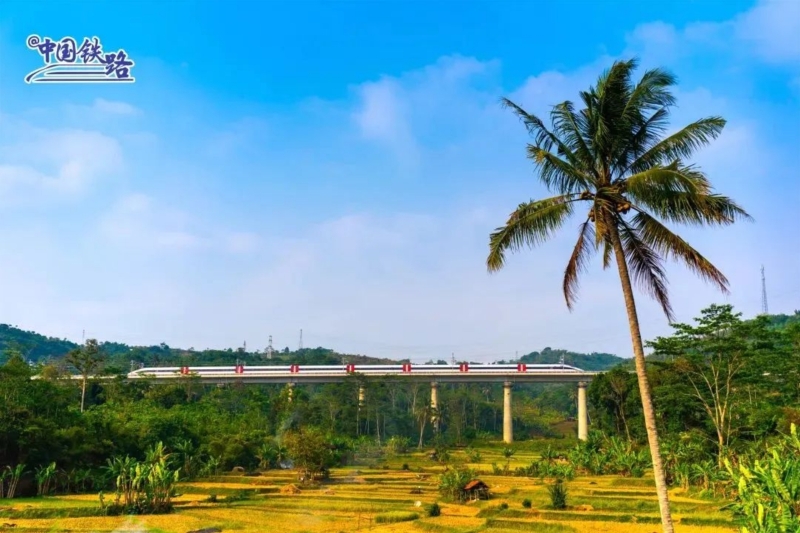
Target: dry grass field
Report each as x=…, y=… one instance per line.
x=365, y=499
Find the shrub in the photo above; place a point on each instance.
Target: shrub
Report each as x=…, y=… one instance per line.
x=503, y=506
x=398, y=445
x=433, y=509
x=395, y=516
x=474, y=456
x=526, y=503
x=143, y=487
x=452, y=482
x=404, y=467
x=768, y=489
x=558, y=494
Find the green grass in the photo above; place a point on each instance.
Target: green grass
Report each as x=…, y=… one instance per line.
x=539, y=527
x=395, y=516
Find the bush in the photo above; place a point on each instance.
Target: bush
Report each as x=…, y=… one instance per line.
x=404, y=467
x=526, y=503
x=768, y=488
x=474, y=456
x=395, y=516
x=558, y=494
x=452, y=482
x=503, y=506
x=434, y=509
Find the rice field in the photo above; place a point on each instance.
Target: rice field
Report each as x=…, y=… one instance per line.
x=383, y=498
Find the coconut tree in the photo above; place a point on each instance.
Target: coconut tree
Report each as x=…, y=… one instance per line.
x=615, y=157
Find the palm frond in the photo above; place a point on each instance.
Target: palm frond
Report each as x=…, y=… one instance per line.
x=700, y=207
x=652, y=92
x=543, y=137
x=563, y=176
x=574, y=130
x=530, y=224
x=664, y=241
x=644, y=134
x=557, y=174
x=645, y=266
x=680, y=145
x=577, y=262
x=654, y=183
x=608, y=250
x=613, y=92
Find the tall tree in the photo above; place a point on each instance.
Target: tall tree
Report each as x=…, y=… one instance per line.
x=711, y=356
x=86, y=359
x=613, y=157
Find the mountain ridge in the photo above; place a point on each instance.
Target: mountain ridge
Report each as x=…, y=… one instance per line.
x=39, y=348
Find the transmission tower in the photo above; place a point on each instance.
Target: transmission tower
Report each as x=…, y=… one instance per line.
x=300, y=345
x=764, y=305
x=269, y=349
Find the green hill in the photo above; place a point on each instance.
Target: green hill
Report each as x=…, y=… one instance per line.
x=32, y=345
x=592, y=362
x=39, y=348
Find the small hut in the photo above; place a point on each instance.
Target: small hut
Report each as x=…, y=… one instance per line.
x=476, y=490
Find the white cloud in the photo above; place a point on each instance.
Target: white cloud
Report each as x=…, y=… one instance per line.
x=58, y=162
x=768, y=31
x=381, y=117
x=139, y=222
x=114, y=108
x=773, y=27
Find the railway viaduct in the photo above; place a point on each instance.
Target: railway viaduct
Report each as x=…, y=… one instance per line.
x=293, y=375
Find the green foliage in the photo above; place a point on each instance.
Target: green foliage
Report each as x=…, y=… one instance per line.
x=526, y=503
x=453, y=481
x=142, y=487
x=558, y=494
x=594, y=361
x=768, y=489
x=473, y=456
x=312, y=451
x=433, y=509
x=44, y=477
x=398, y=444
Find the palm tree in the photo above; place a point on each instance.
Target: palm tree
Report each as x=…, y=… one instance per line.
x=613, y=156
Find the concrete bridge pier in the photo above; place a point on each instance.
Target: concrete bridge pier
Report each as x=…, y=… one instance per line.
x=361, y=396
x=583, y=417
x=435, y=405
x=508, y=417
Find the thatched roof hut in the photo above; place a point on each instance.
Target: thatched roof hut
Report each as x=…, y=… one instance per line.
x=476, y=490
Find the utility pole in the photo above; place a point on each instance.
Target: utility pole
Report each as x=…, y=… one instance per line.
x=300, y=345
x=764, y=305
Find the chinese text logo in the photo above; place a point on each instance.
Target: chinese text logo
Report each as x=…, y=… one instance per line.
x=66, y=62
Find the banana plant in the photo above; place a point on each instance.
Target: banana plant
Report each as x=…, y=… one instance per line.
x=44, y=477
x=768, y=489
x=4, y=474
x=14, y=475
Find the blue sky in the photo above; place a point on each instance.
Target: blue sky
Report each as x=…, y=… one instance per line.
x=338, y=166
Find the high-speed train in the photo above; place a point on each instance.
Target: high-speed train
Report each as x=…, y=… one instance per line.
x=330, y=370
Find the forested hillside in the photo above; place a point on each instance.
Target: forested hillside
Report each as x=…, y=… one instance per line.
x=592, y=361
x=38, y=348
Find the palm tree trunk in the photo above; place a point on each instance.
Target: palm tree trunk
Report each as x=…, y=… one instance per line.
x=644, y=385
x=83, y=392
